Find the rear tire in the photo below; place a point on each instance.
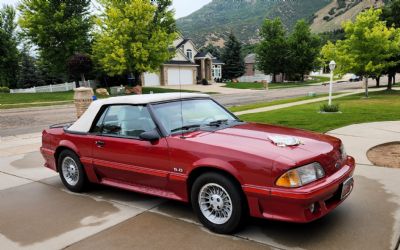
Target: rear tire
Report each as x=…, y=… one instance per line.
x=71, y=171
x=218, y=203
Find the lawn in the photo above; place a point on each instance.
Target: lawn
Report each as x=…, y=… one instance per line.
x=381, y=106
x=276, y=102
x=8, y=101
x=260, y=86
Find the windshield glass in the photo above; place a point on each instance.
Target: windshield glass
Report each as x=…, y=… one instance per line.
x=195, y=114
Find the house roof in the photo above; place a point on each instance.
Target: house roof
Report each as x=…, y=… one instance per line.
x=179, y=62
x=83, y=124
x=250, y=58
x=201, y=54
x=182, y=43
x=217, y=61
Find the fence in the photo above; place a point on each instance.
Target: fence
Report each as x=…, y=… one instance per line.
x=255, y=78
x=63, y=87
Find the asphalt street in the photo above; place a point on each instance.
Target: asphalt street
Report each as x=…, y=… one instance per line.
x=31, y=120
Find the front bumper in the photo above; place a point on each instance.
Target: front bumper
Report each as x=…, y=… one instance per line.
x=293, y=204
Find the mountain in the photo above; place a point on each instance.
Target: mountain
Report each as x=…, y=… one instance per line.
x=332, y=16
x=213, y=22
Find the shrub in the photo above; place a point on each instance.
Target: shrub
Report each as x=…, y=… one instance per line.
x=4, y=90
x=204, y=81
x=330, y=108
x=327, y=18
x=342, y=4
x=340, y=13
x=332, y=11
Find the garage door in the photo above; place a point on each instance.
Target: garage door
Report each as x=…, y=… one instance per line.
x=151, y=79
x=178, y=76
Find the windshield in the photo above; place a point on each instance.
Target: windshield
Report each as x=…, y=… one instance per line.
x=185, y=115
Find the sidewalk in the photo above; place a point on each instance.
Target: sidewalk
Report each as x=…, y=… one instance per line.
x=292, y=104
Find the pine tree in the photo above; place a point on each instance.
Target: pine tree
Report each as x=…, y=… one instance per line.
x=29, y=75
x=233, y=59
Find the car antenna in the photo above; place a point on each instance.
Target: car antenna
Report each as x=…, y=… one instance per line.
x=180, y=93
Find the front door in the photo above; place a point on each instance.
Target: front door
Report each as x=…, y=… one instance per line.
x=119, y=156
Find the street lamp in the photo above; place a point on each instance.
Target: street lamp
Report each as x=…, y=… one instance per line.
x=332, y=66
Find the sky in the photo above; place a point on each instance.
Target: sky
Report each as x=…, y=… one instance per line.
x=182, y=7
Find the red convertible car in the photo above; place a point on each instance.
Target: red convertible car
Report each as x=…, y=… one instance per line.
x=189, y=148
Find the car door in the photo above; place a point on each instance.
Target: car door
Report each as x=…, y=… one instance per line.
x=120, y=157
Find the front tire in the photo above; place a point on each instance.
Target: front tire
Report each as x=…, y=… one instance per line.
x=71, y=171
x=218, y=203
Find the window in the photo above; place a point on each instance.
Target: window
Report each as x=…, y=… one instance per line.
x=216, y=71
x=125, y=120
x=175, y=115
x=189, y=54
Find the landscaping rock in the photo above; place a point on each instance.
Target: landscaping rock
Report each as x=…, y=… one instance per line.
x=102, y=91
x=133, y=90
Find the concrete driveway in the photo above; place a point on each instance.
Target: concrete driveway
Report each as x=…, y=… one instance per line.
x=37, y=212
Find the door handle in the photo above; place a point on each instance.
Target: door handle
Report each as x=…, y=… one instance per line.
x=100, y=144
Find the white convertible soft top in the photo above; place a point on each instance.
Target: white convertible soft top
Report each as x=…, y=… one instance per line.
x=83, y=124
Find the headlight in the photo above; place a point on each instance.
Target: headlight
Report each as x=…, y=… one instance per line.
x=301, y=176
x=343, y=152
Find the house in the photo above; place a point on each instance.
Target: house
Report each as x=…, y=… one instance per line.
x=187, y=66
x=252, y=74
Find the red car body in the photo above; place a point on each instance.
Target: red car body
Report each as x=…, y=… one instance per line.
x=167, y=167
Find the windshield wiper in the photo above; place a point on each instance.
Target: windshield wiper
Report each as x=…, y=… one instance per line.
x=187, y=127
x=217, y=123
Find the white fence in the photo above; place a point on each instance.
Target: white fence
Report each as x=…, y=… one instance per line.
x=63, y=87
x=255, y=78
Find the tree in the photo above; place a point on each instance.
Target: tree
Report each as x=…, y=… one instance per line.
x=79, y=65
x=134, y=36
x=304, y=49
x=273, y=51
x=368, y=47
x=213, y=50
x=391, y=14
x=233, y=59
x=59, y=29
x=29, y=74
x=8, y=47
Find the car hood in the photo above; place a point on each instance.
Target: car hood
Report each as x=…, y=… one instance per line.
x=255, y=139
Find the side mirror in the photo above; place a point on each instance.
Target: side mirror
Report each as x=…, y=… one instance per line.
x=150, y=136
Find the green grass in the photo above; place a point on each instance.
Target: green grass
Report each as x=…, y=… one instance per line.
x=381, y=106
x=6, y=98
x=276, y=102
x=8, y=101
x=260, y=86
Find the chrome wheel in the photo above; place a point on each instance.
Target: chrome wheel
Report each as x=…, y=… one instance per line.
x=70, y=171
x=215, y=203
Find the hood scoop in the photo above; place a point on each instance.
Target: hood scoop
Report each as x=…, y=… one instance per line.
x=284, y=141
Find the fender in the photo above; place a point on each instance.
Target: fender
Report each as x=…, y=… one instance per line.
x=70, y=145
x=218, y=164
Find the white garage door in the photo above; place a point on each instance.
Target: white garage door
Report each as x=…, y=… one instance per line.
x=178, y=76
x=151, y=79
